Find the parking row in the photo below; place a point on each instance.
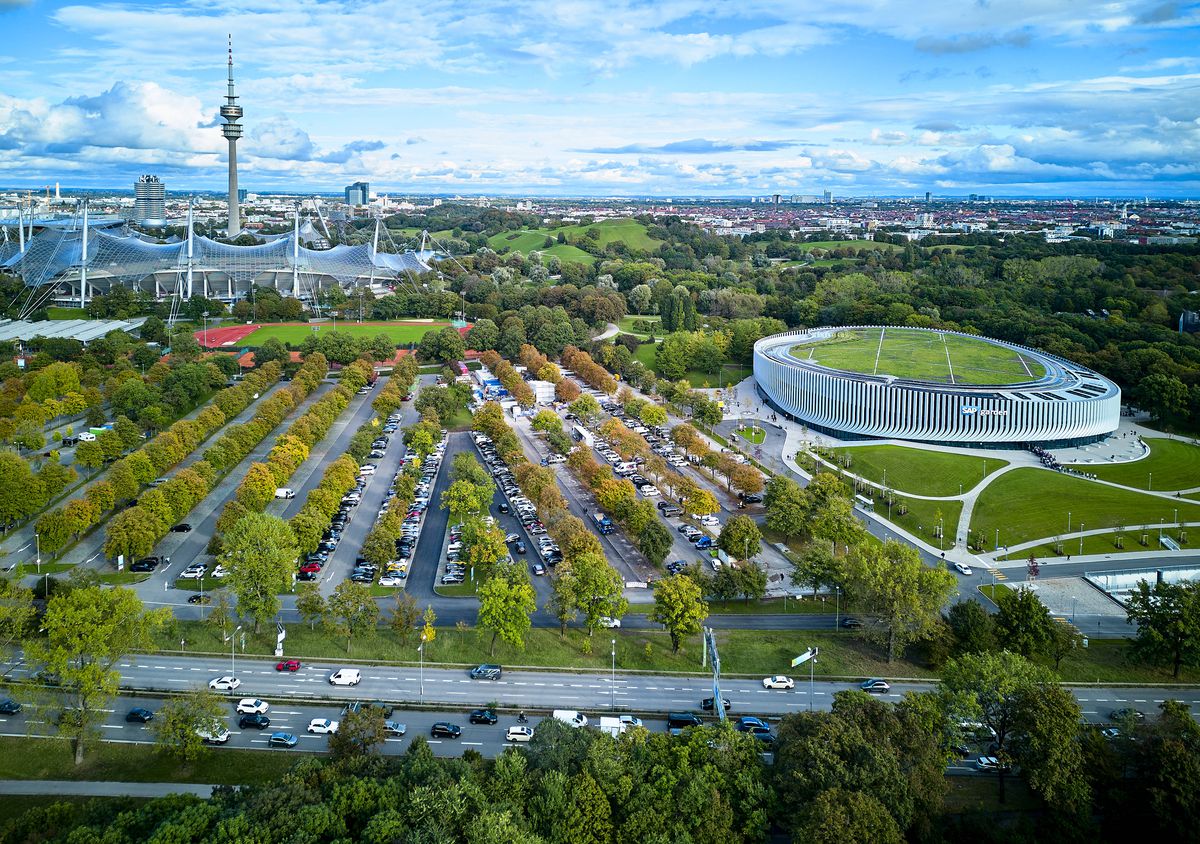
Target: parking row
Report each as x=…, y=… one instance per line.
x=519, y=506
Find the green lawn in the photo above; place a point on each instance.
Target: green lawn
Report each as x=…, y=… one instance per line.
x=924, y=355
x=1106, y=543
x=1172, y=464
x=850, y=244
x=730, y=374
x=294, y=333
x=918, y=471
x=460, y=421
x=755, y=435
x=66, y=313
x=1029, y=504
x=629, y=232
x=627, y=324
x=921, y=517
x=23, y=758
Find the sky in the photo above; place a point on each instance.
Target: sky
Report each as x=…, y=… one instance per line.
x=666, y=98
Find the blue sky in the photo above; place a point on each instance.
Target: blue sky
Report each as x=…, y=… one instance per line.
x=611, y=97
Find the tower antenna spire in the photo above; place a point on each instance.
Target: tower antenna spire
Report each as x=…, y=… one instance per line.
x=232, y=130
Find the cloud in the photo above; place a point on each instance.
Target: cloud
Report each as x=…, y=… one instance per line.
x=695, y=146
x=938, y=126
x=1159, y=14
x=971, y=43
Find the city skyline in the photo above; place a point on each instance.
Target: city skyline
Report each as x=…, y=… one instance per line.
x=695, y=99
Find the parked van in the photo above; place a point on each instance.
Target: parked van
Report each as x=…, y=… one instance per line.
x=613, y=726
x=285, y=492
x=572, y=717
x=345, y=677
x=87, y=437
x=625, y=468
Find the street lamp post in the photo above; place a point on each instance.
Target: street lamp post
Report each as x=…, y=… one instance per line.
x=837, y=606
x=1150, y=481
x=941, y=533
x=232, y=652
x=1081, y=539
x=1068, y=521
x=997, y=540
x=205, y=329
x=613, y=683
x=38, y=539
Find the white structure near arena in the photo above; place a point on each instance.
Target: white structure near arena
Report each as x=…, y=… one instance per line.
x=1068, y=405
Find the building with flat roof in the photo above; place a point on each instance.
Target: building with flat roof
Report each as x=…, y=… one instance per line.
x=358, y=193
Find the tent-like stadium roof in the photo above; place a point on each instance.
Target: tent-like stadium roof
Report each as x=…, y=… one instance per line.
x=84, y=330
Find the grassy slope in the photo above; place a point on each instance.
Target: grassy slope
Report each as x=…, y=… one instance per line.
x=1175, y=464
x=629, y=232
x=919, y=471
x=851, y=244
x=728, y=375
x=295, y=334
x=1029, y=504
x=66, y=313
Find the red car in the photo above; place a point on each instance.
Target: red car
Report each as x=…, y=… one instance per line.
x=310, y=568
x=407, y=397
x=288, y=665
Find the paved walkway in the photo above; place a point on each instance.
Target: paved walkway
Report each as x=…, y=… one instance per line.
x=88, y=788
x=610, y=331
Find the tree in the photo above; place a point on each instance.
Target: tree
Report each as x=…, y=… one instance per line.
x=655, y=542
x=360, y=731
x=428, y=631
x=751, y=581
x=272, y=350
x=598, y=589
x=17, y=613
x=1023, y=624
x=89, y=455
x=747, y=479
x=506, y=603
x=220, y=611
x=260, y=553
x=405, y=616
x=586, y=408
x=838, y=816
x=1167, y=616
x=352, y=610
x=972, y=627
x=787, y=506
x=311, y=604
x=834, y=521
x=680, y=607
x=88, y=630
x=132, y=533
x=16, y=484
x=179, y=721
x=589, y=815
x=1046, y=746
x=1065, y=639
x=900, y=595
x=740, y=538
x=814, y=568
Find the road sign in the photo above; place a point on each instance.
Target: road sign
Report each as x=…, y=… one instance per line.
x=811, y=653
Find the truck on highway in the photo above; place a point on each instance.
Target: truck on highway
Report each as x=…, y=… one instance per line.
x=603, y=523
x=613, y=726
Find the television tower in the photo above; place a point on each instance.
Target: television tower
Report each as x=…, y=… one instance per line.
x=232, y=130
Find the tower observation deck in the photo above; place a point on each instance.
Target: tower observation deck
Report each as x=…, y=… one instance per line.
x=232, y=130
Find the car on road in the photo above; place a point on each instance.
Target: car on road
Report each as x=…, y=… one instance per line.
x=748, y=724
x=182, y=527
x=778, y=682
x=217, y=735
x=288, y=665
x=707, y=704
x=394, y=728
x=251, y=705
x=138, y=715
x=631, y=721
x=281, y=740
x=963, y=568
x=851, y=623
x=606, y=621
x=750, y=497
x=671, y=510
x=539, y=569
x=520, y=547
x=144, y=565
x=875, y=686
x=256, y=721
x=990, y=763
x=345, y=677
x=322, y=726
x=8, y=706
x=519, y=734
x=482, y=716
x=512, y=537
x=198, y=599
x=224, y=684
x=444, y=729
x=486, y=672
x=1126, y=713
x=376, y=453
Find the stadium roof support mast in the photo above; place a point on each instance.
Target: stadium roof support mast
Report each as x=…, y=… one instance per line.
x=232, y=130
x=190, y=248
x=83, y=260
x=21, y=224
x=296, y=256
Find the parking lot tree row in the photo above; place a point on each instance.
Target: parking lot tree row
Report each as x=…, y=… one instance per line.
x=146, y=465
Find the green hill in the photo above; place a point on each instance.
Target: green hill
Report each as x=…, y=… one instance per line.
x=630, y=232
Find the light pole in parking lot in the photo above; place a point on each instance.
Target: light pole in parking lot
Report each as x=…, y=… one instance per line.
x=232, y=656
x=613, y=684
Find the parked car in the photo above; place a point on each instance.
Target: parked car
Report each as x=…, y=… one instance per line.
x=606, y=621
x=199, y=599
x=990, y=763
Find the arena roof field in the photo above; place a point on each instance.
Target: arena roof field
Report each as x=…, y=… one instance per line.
x=921, y=355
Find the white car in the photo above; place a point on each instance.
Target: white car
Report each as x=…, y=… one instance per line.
x=778, y=682
x=363, y=471
x=220, y=571
x=631, y=721
x=605, y=621
x=710, y=521
x=322, y=725
x=389, y=580
x=650, y=491
x=224, y=684
x=519, y=734
x=217, y=735
x=252, y=706
x=193, y=573
x=963, y=568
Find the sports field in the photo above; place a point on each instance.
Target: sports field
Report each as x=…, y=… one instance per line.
x=294, y=333
x=921, y=355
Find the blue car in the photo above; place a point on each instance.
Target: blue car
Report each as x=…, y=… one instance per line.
x=704, y=542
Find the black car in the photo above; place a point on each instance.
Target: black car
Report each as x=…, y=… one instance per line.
x=1126, y=713
x=143, y=565
x=198, y=599
x=679, y=720
x=520, y=547
x=308, y=576
x=483, y=716
x=707, y=704
x=256, y=720
x=750, y=497
x=851, y=623
x=442, y=729
x=503, y=508
x=486, y=671
x=8, y=706
x=182, y=527
x=138, y=715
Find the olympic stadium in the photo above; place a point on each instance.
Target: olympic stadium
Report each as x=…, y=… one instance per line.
x=925, y=385
x=74, y=261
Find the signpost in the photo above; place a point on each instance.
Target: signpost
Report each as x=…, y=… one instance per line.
x=809, y=656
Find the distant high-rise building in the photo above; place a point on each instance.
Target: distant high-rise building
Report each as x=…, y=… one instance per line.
x=828, y=197
x=242, y=194
x=232, y=130
x=358, y=193
x=928, y=197
x=149, y=200
x=775, y=198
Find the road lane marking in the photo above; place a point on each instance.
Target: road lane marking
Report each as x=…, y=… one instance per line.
x=474, y=743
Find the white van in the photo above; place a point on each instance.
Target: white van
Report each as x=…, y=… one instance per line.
x=572, y=717
x=87, y=437
x=625, y=468
x=285, y=492
x=345, y=677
